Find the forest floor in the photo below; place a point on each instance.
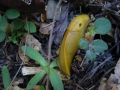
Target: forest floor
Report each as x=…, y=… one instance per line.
x=101, y=74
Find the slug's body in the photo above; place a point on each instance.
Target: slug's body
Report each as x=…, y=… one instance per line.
x=69, y=44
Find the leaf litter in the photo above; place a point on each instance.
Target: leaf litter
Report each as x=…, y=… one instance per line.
x=97, y=75
x=30, y=41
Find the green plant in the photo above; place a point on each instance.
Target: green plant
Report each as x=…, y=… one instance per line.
x=42, y=88
x=5, y=77
x=54, y=77
x=101, y=26
x=15, y=26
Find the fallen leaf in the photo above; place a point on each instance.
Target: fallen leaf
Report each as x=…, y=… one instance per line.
x=63, y=76
x=51, y=6
x=102, y=84
x=45, y=28
x=30, y=41
x=111, y=86
x=17, y=88
x=113, y=82
x=43, y=17
x=57, y=52
x=117, y=69
x=62, y=25
x=17, y=82
x=78, y=58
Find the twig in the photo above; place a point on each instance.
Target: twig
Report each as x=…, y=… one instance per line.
x=92, y=72
x=50, y=43
x=98, y=82
x=15, y=75
x=83, y=61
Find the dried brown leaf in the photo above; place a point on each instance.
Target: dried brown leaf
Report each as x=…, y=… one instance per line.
x=45, y=28
x=114, y=79
x=102, y=84
x=30, y=41
x=43, y=17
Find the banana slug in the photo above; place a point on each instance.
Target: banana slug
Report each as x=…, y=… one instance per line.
x=69, y=45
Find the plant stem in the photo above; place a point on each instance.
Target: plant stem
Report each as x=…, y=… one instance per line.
x=50, y=43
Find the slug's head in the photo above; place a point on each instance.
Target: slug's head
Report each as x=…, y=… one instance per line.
x=79, y=22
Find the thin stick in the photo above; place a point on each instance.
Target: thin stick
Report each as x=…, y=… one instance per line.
x=50, y=43
x=83, y=61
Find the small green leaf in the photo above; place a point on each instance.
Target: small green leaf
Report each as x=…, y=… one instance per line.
x=90, y=55
x=3, y=23
x=42, y=88
x=83, y=43
x=99, y=45
x=35, y=79
x=33, y=54
x=12, y=14
x=30, y=26
x=14, y=36
x=12, y=39
x=56, y=80
x=20, y=33
x=2, y=35
x=92, y=32
x=5, y=77
x=16, y=24
x=102, y=26
x=53, y=64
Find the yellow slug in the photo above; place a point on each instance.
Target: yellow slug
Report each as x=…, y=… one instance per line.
x=69, y=45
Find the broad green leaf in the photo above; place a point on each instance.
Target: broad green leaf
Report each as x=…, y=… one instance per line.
x=92, y=32
x=35, y=79
x=102, y=26
x=53, y=64
x=3, y=23
x=30, y=26
x=12, y=13
x=55, y=80
x=83, y=43
x=5, y=77
x=42, y=88
x=33, y=54
x=90, y=55
x=16, y=24
x=2, y=36
x=99, y=45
